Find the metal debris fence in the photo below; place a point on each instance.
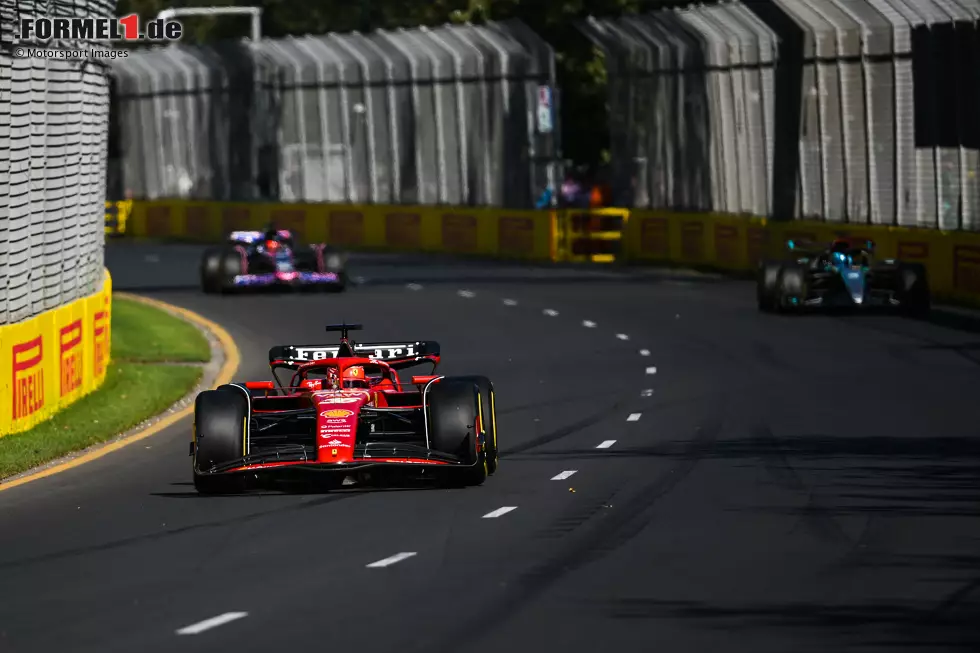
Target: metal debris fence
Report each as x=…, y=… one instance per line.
x=858, y=111
x=53, y=116
x=423, y=116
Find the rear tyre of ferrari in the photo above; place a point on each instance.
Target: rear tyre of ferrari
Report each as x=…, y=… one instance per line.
x=488, y=418
x=220, y=420
x=454, y=409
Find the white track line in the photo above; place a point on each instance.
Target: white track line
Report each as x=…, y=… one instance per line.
x=606, y=444
x=359, y=281
x=634, y=417
x=392, y=560
x=550, y=312
x=414, y=286
x=622, y=336
x=588, y=324
x=651, y=370
x=647, y=393
x=644, y=352
x=213, y=622
x=563, y=475
x=499, y=511
x=466, y=293
x=510, y=302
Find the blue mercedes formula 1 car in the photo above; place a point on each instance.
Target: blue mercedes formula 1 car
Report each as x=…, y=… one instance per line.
x=270, y=259
x=842, y=274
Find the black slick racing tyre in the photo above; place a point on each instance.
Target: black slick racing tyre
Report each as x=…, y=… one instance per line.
x=453, y=410
x=210, y=270
x=790, y=289
x=765, y=288
x=488, y=418
x=913, y=290
x=220, y=423
x=219, y=267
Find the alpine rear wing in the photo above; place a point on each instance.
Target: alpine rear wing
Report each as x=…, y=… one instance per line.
x=399, y=355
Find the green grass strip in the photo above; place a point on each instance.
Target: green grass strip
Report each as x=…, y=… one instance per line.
x=145, y=334
x=139, y=384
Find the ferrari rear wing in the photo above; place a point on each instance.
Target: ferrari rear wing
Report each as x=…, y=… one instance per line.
x=398, y=355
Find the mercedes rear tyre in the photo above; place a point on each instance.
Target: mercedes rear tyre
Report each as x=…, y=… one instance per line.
x=913, y=290
x=765, y=288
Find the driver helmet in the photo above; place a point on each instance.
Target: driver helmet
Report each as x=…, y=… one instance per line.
x=354, y=377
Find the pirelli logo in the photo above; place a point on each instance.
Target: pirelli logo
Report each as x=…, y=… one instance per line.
x=28, y=381
x=71, y=357
x=100, y=350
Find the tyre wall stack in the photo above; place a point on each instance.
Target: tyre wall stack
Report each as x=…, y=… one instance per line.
x=55, y=294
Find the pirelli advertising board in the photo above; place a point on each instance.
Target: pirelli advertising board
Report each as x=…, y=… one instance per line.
x=53, y=359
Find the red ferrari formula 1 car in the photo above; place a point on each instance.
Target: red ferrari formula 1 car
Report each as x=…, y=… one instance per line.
x=344, y=412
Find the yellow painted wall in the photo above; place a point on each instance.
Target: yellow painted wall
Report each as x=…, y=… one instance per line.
x=53, y=359
x=735, y=243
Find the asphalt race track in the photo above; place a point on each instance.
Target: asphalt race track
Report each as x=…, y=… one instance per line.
x=678, y=474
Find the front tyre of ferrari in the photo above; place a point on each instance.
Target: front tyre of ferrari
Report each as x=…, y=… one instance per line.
x=453, y=415
x=488, y=418
x=220, y=422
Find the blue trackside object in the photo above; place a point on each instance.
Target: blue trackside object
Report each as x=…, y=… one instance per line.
x=841, y=274
x=271, y=258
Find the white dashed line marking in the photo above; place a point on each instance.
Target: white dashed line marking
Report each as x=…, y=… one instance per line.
x=634, y=417
x=466, y=293
x=414, y=286
x=359, y=281
x=152, y=258
x=392, y=560
x=644, y=352
x=213, y=622
x=550, y=312
x=651, y=370
x=563, y=475
x=606, y=444
x=510, y=302
x=622, y=336
x=499, y=511
x=647, y=393
x=588, y=324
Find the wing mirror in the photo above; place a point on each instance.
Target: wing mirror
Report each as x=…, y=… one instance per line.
x=422, y=380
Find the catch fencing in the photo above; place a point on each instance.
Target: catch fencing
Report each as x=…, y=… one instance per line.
x=848, y=111
x=442, y=116
x=54, y=114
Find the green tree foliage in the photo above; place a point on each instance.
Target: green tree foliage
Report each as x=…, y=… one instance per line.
x=580, y=66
